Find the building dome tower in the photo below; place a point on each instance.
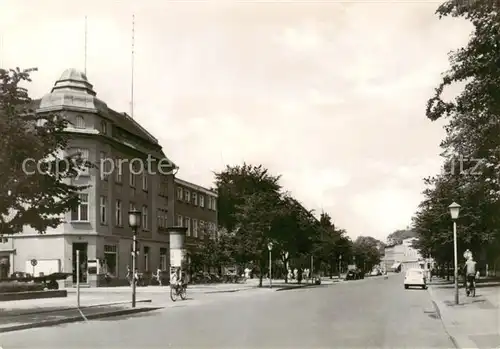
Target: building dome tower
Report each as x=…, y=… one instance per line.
x=72, y=91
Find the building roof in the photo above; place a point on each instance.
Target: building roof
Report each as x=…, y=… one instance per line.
x=73, y=91
x=195, y=187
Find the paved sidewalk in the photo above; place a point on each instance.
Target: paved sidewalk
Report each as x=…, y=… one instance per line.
x=475, y=322
x=162, y=289
x=196, y=288
x=156, y=295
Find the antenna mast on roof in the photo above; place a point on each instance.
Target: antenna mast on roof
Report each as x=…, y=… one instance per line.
x=132, y=77
x=1, y=50
x=85, y=52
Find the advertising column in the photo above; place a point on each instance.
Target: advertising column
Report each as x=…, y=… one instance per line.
x=177, y=248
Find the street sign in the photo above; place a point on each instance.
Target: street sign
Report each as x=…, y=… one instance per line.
x=34, y=262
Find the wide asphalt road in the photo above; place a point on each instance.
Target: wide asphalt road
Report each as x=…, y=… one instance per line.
x=370, y=313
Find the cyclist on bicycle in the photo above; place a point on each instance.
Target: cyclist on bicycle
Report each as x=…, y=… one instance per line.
x=470, y=272
x=176, y=278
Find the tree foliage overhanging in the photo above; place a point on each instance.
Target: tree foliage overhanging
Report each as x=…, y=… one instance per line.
x=31, y=195
x=471, y=148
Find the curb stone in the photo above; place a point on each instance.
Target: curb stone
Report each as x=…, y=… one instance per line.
x=297, y=287
x=460, y=340
x=231, y=290
x=78, y=318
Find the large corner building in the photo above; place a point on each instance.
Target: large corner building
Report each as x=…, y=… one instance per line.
x=98, y=228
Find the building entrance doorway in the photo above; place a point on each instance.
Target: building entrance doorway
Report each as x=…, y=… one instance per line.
x=4, y=267
x=82, y=247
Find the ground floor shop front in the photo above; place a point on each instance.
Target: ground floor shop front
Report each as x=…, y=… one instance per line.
x=101, y=258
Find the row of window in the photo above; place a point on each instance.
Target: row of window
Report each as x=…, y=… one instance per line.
x=196, y=198
x=196, y=228
x=118, y=170
x=111, y=259
x=81, y=213
x=119, y=212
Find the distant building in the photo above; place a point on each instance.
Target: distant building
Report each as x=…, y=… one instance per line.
x=393, y=255
x=196, y=209
x=403, y=256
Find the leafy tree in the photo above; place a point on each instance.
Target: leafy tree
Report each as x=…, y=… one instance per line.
x=472, y=134
x=255, y=217
x=37, y=198
x=367, y=252
x=234, y=184
x=398, y=236
x=331, y=240
x=212, y=253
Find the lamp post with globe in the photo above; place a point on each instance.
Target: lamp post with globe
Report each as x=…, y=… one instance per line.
x=454, y=211
x=134, y=221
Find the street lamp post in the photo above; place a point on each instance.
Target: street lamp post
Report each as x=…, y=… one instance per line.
x=312, y=267
x=270, y=248
x=454, y=211
x=286, y=259
x=134, y=221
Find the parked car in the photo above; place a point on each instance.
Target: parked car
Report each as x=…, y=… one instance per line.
x=354, y=274
x=415, y=277
x=375, y=272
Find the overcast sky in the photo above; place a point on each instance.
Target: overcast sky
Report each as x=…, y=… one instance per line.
x=329, y=95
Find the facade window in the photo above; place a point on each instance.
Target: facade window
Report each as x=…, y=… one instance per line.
x=201, y=228
x=81, y=213
x=145, y=217
x=131, y=206
x=209, y=229
x=118, y=213
x=212, y=231
x=118, y=171
x=145, y=181
x=195, y=227
x=202, y=200
x=214, y=204
x=163, y=186
x=179, y=220
x=104, y=165
x=103, y=209
x=146, y=258
x=163, y=258
x=110, y=259
x=79, y=122
x=162, y=218
x=179, y=193
x=187, y=195
x=83, y=154
x=195, y=198
x=131, y=177
x=104, y=127
x=187, y=225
